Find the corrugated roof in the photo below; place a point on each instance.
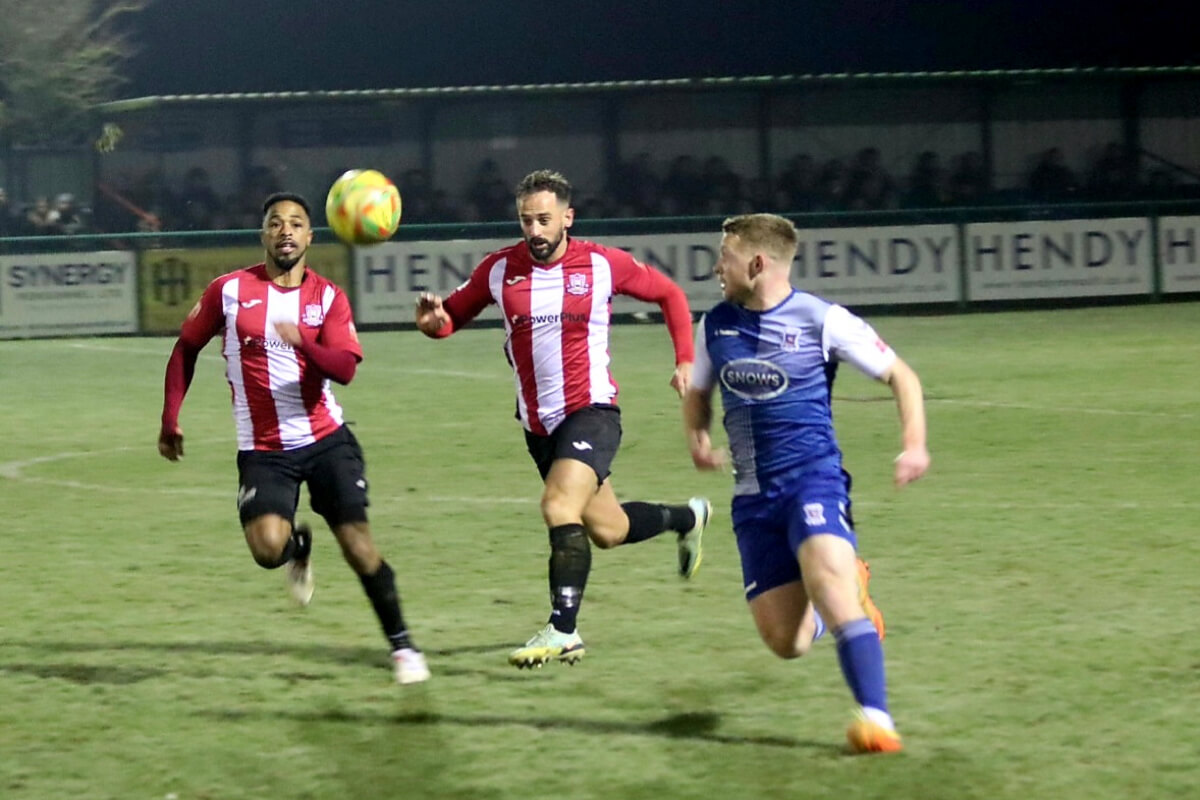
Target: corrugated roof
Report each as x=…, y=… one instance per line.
x=754, y=81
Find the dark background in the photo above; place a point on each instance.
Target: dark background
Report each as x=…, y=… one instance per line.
x=189, y=46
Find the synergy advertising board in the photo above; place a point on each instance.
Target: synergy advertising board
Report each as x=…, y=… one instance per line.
x=1056, y=259
x=173, y=280
x=67, y=294
x=1179, y=253
x=854, y=266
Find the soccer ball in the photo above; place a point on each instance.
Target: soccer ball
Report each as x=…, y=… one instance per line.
x=363, y=207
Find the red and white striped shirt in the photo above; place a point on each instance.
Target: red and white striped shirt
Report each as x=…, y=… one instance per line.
x=557, y=319
x=280, y=401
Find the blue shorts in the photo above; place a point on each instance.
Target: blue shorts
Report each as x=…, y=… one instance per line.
x=771, y=527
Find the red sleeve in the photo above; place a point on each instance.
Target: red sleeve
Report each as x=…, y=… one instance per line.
x=203, y=322
x=639, y=280
x=465, y=302
x=335, y=350
x=337, y=365
x=206, y=319
x=337, y=332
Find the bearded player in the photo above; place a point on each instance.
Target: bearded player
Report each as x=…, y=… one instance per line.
x=287, y=332
x=555, y=296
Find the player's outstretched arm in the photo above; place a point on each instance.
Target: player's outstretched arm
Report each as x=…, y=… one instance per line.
x=180, y=368
x=431, y=316
x=697, y=421
x=913, y=460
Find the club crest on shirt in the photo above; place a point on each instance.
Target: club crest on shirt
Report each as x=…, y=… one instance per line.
x=577, y=284
x=313, y=315
x=791, y=339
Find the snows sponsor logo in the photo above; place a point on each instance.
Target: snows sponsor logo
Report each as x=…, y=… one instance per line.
x=754, y=379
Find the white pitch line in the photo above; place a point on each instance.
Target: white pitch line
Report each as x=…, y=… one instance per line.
x=95, y=487
x=1062, y=409
x=434, y=498
x=133, y=351
x=451, y=373
x=1118, y=505
x=13, y=470
x=212, y=356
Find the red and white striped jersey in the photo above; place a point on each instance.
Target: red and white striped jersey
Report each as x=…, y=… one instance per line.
x=557, y=319
x=279, y=401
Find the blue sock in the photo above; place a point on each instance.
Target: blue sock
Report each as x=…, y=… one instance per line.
x=820, y=629
x=861, y=657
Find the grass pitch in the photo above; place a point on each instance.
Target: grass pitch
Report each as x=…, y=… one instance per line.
x=1039, y=587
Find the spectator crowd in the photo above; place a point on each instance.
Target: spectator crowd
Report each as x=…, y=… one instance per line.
x=686, y=185
x=42, y=217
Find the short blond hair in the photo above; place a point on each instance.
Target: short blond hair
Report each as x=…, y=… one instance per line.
x=769, y=232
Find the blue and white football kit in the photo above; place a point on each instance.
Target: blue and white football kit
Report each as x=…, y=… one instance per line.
x=776, y=369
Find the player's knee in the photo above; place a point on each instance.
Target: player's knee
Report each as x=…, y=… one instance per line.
x=604, y=536
x=267, y=554
x=558, y=509
x=267, y=538
x=787, y=645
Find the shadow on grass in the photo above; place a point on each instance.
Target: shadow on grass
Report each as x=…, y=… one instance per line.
x=84, y=674
x=696, y=725
x=315, y=652
x=124, y=675
x=701, y=726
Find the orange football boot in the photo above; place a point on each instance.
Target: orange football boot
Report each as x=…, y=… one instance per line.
x=864, y=599
x=866, y=736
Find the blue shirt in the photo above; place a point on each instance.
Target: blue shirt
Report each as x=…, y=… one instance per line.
x=776, y=370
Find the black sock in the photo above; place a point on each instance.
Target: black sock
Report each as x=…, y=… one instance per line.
x=289, y=550
x=647, y=520
x=570, y=563
x=381, y=590
x=680, y=519
x=300, y=543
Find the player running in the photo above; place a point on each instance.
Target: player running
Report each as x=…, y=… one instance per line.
x=774, y=351
x=555, y=296
x=286, y=333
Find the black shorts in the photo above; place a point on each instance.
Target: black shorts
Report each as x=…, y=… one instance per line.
x=334, y=469
x=591, y=435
